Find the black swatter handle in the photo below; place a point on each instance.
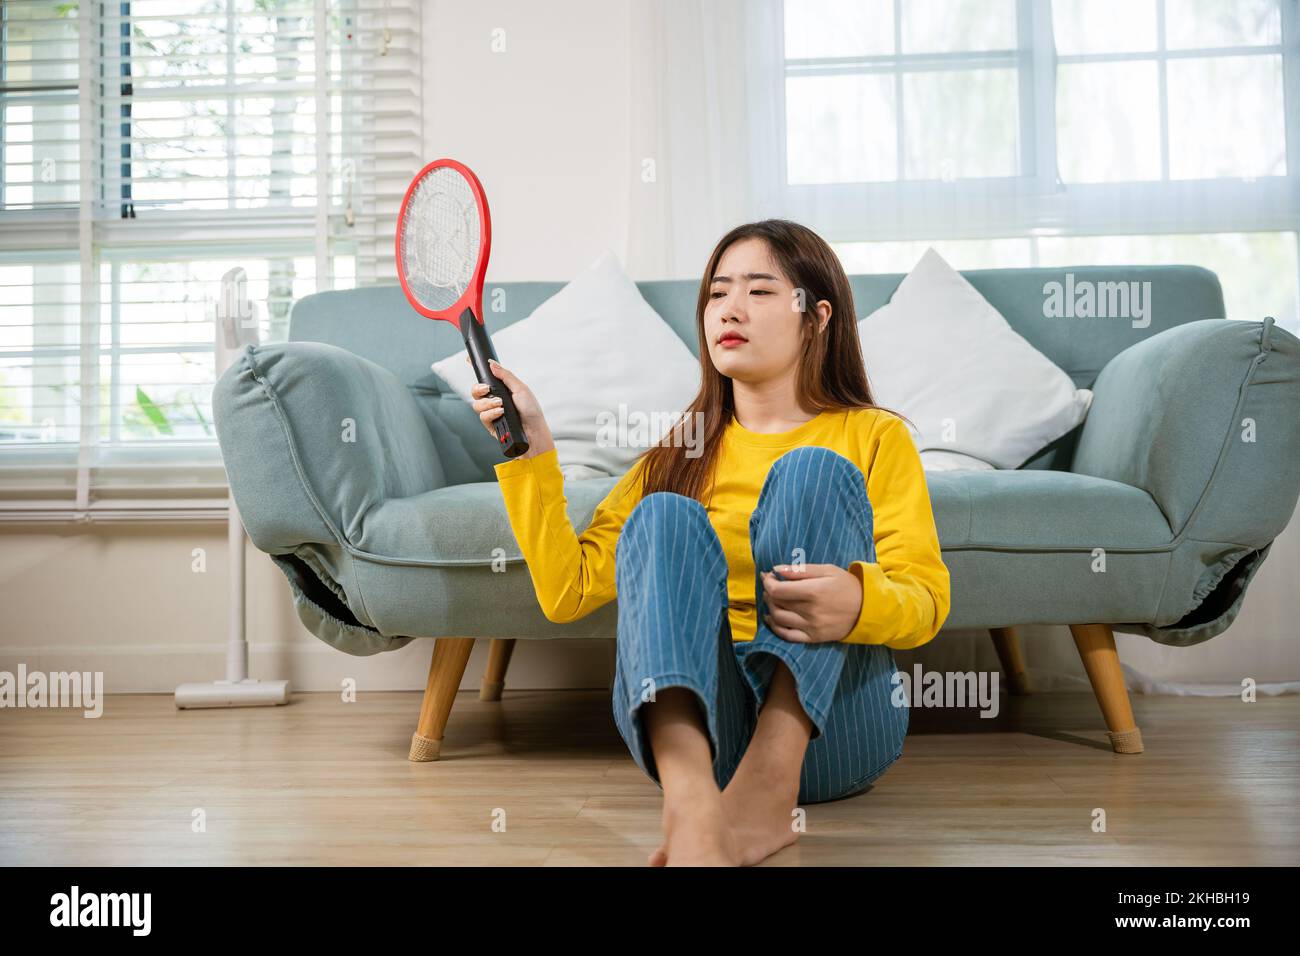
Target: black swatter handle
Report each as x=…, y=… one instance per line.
x=510, y=431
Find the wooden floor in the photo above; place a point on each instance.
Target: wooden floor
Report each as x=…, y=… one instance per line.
x=325, y=782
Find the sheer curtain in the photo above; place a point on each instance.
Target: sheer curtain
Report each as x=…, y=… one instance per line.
x=1003, y=133
x=689, y=134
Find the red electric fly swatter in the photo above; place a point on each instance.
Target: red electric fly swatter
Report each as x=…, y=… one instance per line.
x=444, y=237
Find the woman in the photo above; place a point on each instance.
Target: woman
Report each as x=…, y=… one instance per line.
x=762, y=579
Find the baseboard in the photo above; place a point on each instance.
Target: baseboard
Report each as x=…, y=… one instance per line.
x=315, y=666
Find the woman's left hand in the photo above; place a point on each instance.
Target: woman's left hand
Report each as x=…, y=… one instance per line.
x=815, y=603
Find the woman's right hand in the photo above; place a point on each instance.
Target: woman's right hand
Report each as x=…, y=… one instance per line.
x=530, y=411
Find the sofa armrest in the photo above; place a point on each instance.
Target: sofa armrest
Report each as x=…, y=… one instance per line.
x=314, y=438
x=1204, y=417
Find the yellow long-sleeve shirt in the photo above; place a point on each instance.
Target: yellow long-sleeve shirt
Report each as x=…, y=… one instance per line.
x=905, y=592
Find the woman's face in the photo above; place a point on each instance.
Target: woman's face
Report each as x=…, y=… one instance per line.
x=751, y=299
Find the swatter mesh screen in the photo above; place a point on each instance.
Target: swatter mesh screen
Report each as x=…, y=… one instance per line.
x=440, y=238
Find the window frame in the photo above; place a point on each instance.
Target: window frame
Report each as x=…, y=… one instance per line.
x=1036, y=202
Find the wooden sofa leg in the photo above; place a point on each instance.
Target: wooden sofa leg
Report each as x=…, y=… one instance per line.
x=450, y=655
x=1007, y=643
x=494, y=678
x=1096, y=644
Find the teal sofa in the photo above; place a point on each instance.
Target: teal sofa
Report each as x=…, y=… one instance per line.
x=371, y=484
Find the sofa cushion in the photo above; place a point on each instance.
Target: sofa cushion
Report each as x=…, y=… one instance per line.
x=1027, y=510
x=1042, y=511
x=1020, y=546
x=462, y=524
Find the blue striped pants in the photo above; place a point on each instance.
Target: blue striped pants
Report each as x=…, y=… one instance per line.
x=673, y=630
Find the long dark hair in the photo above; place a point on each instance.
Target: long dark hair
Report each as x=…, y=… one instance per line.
x=831, y=376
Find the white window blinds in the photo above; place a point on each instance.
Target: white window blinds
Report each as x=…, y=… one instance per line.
x=147, y=148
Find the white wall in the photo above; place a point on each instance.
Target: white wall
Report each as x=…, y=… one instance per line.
x=127, y=600
x=544, y=124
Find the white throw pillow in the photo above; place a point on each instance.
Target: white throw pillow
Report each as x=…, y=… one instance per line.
x=593, y=346
x=941, y=355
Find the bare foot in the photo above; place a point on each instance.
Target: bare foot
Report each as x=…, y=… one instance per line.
x=697, y=833
x=759, y=813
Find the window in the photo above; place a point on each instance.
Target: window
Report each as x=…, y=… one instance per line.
x=863, y=82
x=1189, y=90
x=147, y=148
x=1010, y=130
